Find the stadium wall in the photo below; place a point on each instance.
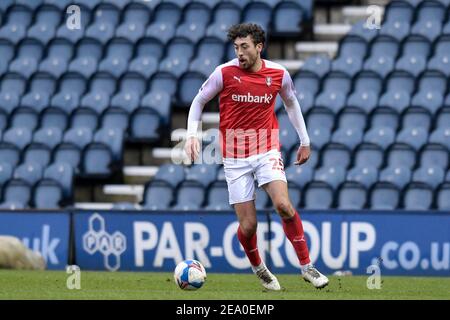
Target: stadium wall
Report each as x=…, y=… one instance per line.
x=398, y=242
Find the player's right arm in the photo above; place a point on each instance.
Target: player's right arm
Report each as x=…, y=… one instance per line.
x=210, y=88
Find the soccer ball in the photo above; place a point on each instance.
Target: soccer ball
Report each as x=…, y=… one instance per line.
x=189, y=275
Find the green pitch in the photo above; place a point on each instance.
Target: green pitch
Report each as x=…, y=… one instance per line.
x=127, y=285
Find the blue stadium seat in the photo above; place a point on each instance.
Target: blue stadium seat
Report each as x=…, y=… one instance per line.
x=352, y=51
x=319, y=136
x=188, y=86
x=352, y=118
x=259, y=13
x=149, y=52
x=164, y=81
x=208, y=55
x=431, y=176
x=348, y=137
x=136, y=18
x=178, y=55
x=288, y=135
x=335, y=154
x=225, y=15
x=432, y=87
x=132, y=87
x=398, y=175
x=170, y=174
x=113, y=138
x=7, y=53
x=204, y=174
x=443, y=116
x=352, y=196
x=367, y=88
x=63, y=173
x=400, y=154
x=160, y=102
x=24, y=117
x=414, y=57
x=68, y=153
x=107, y=17
x=441, y=136
x=361, y=30
x=145, y=125
x=29, y=172
x=333, y=96
x=418, y=196
x=84, y=117
x=399, y=11
x=318, y=196
x=332, y=175
x=443, y=197
x=415, y=117
x=97, y=160
x=115, y=118
x=369, y=154
x=16, y=190
x=398, y=27
x=165, y=19
x=429, y=20
x=435, y=155
x=98, y=98
x=395, y=100
x=195, y=20
x=441, y=58
x=384, y=196
x=190, y=196
x=118, y=54
x=320, y=65
x=19, y=137
x=15, y=29
x=79, y=137
x=287, y=19
x=299, y=175
x=47, y=19
x=37, y=153
x=363, y=174
x=41, y=87
x=307, y=85
x=27, y=59
x=217, y=198
x=380, y=136
x=54, y=117
x=158, y=195
x=47, y=194
x=9, y=153
x=73, y=35
x=415, y=137
x=48, y=136
x=89, y=52
x=6, y=172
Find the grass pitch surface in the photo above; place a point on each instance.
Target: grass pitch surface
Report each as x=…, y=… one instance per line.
x=152, y=286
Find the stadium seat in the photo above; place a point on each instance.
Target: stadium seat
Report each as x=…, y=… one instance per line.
x=145, y=125
x=164, y=81
x=132, y=87
x=334, y=93
x=47, y=19
x=106, y=19
x=319, y=136
x=399, y=176
x=97, y=160
x=395, y=100
x=431, y=176
x=443, y=116
x=332, y=175
x=415, y=137
x=363, y=174
x=441, y=58
x=435, y=155
x=27, y=60
x=369, y=154
x=429, y=20
x=190, y=196
x=288, y=135
x=118, y=54
x=165, y=19
x=178, y=55
x=158, y=195
x=418, y=196
x=225, y=15
x=414, y=56
x=195, y=20
x=348, y=137
x=170, y=174
x=15, y=29
x=7, y=52
x=443, y=197
x=352, y=51
x=18, y=191
x=209, y=54
x=299, y=175
x=19, y=137
x=188, y=86
x=37, y=153
x=382, y=57
x=41, y=87
x=63, y=173
x=24, y=117
x=441, y=136
x=401, y=155
x=352, y=196
x=320, y=65
x=335, y=154
x=287, y=19
x=135, y=18
x=84, y=117
x=360, y=29
x=318, y=196
x=160, y=102
x=384, y=196
x=49, y=136
x=9, y=153
x=352, y=118
x=204, y=174
x=47, y=194
x=217, y=198
x=115, y=118
x=113, y=138
x=89, y=52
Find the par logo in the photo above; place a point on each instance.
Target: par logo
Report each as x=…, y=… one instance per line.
x=97, y=239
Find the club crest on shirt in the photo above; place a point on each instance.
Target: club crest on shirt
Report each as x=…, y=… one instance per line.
x=268, y=81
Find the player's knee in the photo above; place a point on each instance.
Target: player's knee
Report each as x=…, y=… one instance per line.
x=248, y=228
x=284, y=208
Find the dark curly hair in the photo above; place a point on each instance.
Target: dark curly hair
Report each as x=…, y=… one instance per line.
x=244, y=29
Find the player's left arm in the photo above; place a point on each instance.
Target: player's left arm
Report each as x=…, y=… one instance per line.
x=294, y=112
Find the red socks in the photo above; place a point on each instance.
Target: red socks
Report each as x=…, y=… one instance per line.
x=293, y=229
x=250, y=247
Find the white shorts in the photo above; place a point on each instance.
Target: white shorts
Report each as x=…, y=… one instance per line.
x=240, y=174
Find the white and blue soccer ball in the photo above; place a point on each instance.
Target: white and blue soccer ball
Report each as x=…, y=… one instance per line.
x=189, y=275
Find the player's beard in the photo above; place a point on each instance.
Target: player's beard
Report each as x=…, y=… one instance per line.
x=248, y=63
